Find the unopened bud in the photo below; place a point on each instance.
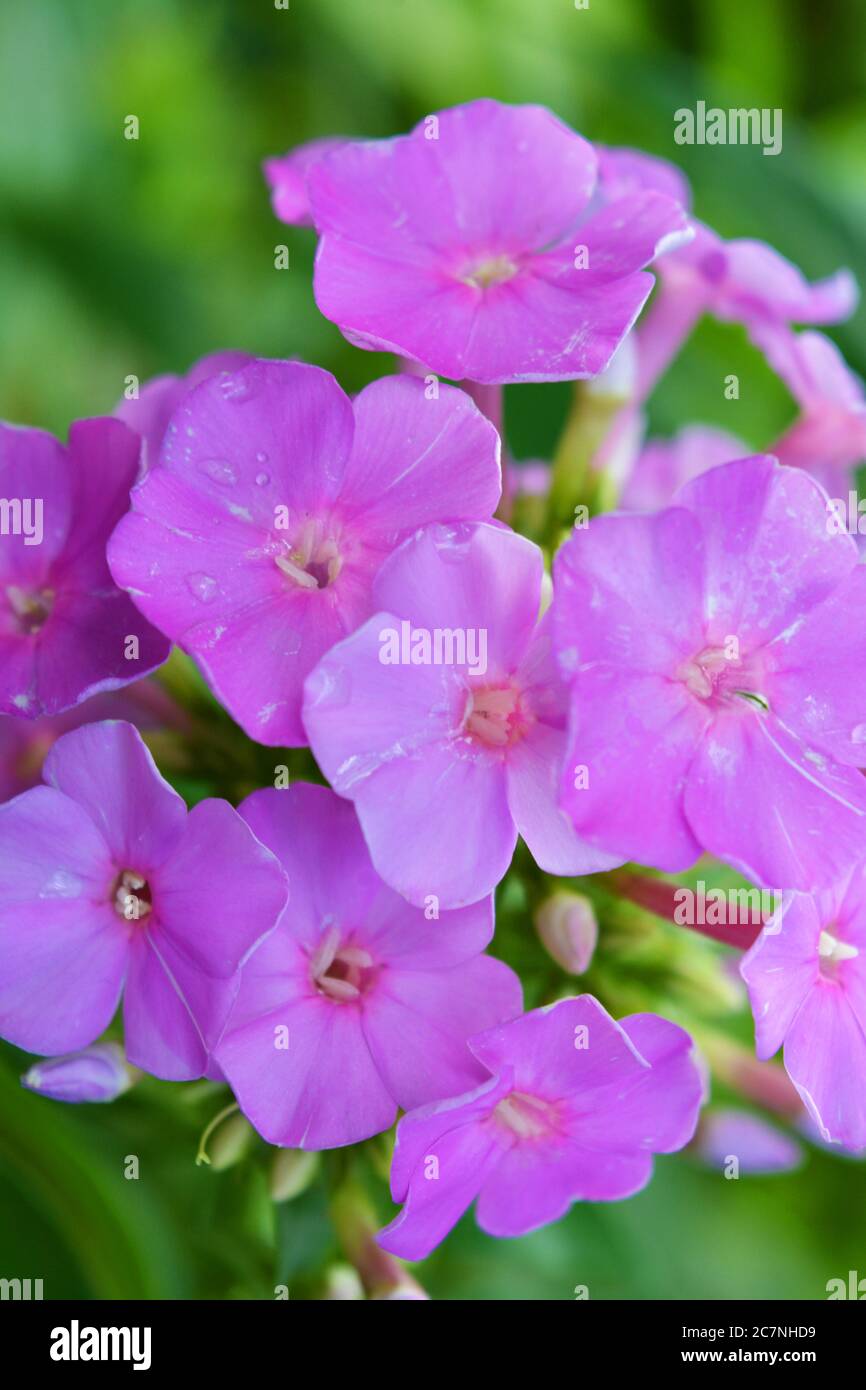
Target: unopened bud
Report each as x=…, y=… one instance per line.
x=568, y=928
x=95, y=1074
x=292, y=1171
x=618, y=380
x=343, y=1285
x=230, y=1141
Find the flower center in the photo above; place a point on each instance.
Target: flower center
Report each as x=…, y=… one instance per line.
x=717, y=677
x=491, y=270
x=496, y=716
x=832, y=952
x=131, y=896
x=313, y=560
x=529, y=1117
x=340, y=972
x=31, y=609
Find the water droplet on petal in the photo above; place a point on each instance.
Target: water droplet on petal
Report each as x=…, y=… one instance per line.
x=235, y=388
x=220, y=471
x=858, y=734
x=262, y=479
x=201, y=586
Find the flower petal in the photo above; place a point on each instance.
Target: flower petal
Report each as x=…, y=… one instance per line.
x=321, y=1091
x=416, y=1024
x=417, y=459
x=786, y=817
x=632, y=743
x=107, y=769
x=221, y=891
x=63, y=948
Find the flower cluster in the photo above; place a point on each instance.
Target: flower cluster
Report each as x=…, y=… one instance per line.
x=682, y=676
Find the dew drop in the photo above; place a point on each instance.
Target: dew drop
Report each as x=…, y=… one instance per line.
x=220, y=471
x=235, y=388
x=262, y=479
x=201, y=586
x=858, y=734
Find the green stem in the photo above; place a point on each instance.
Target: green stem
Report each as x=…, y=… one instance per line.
x=354, y=1221
x=573, y=480
x=202, y=1156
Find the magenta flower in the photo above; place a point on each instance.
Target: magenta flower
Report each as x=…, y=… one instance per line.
x=158, y=399
x=664, y=465
x=474, y=245
x=806, y=976
x=829, y=437
x=717, y=652
x=444, y=718
x=108, y=885
x=66, y=631
x=96, y=1074
x=749, y=282
x=286, y=176
x=742, y=280
x=256, y=541
x=574, y=1108
x=358, y=1003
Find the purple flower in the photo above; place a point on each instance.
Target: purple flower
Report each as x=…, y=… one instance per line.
x=575, y=1106
x=474, y=245
x=358, y=1003
x=757, y=1146
x=664, y=465
x=66, y=630
x=287, y=178
x=806, y=976
x=108, y=884
x=829, y=437
x=717, y=652
x=741, y=281
x=746, y=281
x=149, y=413
x=254, y=544
x=97, y=1073
x=443, y=718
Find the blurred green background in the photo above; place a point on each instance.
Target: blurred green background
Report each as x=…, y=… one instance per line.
x=121, y=257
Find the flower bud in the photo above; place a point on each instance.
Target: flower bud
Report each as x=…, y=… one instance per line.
x=95, y=1074
x=230, y=1142
x=618, y=381
x=566, y=924
x=292, y=1171
x=343, y=1285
